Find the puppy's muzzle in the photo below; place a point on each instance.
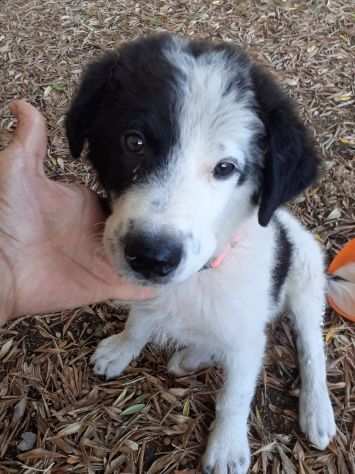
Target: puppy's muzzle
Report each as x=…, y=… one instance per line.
x=152, y=256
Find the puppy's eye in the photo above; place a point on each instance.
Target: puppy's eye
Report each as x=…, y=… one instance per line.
x=133, y=142
x=224, y=169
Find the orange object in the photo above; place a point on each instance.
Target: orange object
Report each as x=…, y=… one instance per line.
x=341, y=285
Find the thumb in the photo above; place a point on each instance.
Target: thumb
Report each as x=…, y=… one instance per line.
x=129, y=292
x=31, y=132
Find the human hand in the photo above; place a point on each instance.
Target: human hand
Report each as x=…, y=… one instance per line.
x=51, y=256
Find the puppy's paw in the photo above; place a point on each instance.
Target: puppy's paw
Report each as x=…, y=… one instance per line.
x=188, y=360
x=112, y=356
x=227, y=453
x=317, y=416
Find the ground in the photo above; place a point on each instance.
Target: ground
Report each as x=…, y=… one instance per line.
x=147, y=421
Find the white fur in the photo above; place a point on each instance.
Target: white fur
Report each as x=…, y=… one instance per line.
x=219, y=315
x=185, y=198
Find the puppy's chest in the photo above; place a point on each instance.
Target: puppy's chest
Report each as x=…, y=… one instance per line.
x=200, y=313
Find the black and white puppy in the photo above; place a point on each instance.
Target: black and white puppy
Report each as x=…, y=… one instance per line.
x=197, y=148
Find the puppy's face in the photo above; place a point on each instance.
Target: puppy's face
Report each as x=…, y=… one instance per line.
x=170, y=219
x=174, y=137
x=180, y=146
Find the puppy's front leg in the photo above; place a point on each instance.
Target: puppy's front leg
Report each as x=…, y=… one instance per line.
x=228, y=448
x=114, y=353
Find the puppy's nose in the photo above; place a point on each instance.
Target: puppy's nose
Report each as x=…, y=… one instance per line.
x=153, y=256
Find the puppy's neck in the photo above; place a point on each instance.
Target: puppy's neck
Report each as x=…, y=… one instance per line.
x=219, y=259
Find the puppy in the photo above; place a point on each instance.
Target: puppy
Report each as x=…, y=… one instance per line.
x=197, y=148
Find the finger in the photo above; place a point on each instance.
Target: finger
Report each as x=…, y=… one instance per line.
x=31, y=131
x=128, y=292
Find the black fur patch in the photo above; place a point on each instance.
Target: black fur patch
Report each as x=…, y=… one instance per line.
x=282, y=259
x=133, y=90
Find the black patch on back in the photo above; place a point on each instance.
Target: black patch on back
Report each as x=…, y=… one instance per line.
x=282, y=259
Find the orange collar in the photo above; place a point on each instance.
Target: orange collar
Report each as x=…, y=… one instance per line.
x=217, y=261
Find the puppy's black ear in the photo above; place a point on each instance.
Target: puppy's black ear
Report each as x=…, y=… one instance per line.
x=86, y=102
x=291, y=163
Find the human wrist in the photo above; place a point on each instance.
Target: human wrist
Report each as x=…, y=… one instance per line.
x=7, y=290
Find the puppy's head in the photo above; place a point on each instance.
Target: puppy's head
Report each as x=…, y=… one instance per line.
x=187, y=138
